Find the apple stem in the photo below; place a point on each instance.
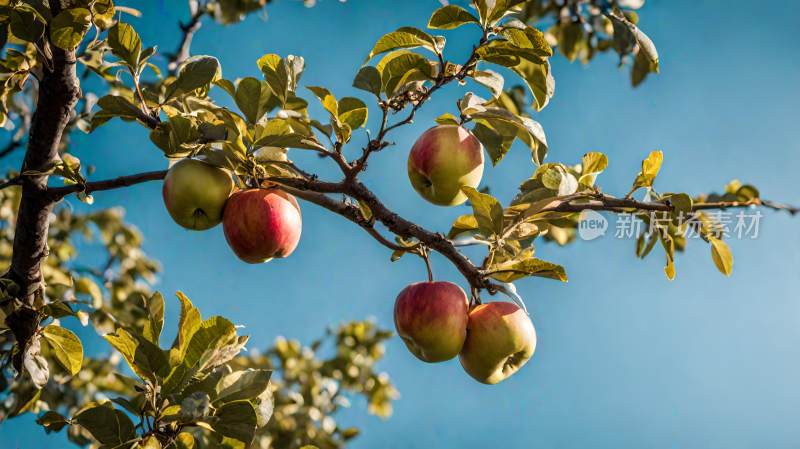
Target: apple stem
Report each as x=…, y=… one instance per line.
x=426, y=257
x=476, y=297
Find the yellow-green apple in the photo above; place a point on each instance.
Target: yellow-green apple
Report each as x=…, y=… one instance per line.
x=261, y=224
x=500, y=340
x=195, y=193
x=431, y=318
x=443, y=160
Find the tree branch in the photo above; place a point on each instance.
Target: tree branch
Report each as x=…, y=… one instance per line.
x=602, y=202
x=10, y=147
x=59, y=91
x=188, y=29
x=57, y=193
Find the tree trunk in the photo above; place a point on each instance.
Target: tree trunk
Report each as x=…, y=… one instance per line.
x=59, y=91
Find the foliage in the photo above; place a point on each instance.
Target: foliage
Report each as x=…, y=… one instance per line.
x=305, y=386
x=199, y=392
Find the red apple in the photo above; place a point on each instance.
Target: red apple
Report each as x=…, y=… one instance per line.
x=431, y=318
x=261, y=224
x=442, y=161
x=500, y=340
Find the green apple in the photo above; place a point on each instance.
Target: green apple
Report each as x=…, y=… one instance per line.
x=500, y=340
x=431, y=318
x=261, y=224
x=442, y=161
x=195, y=193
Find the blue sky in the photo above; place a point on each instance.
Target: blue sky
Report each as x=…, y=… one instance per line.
x=626, y=359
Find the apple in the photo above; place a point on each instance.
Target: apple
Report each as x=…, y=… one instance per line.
x=500, y=340
x=442, y=161
x=195, y=193
x=261, y=224
x=431, y=318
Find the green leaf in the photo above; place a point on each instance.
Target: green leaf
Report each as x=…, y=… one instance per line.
x=529, y=131
x=150, y=442
x=109, y=426
x=681, y=202
x=448, y=119
x=669, y=249
x=155, y=317
x=52, y=421
x=236, y=420
x=539, y=80
x=66, y=347
x=114, y=106
x=487, y=210
x=215, y=342
x=25, y=25
x=185, y=440
x=557, y=177
x=747, y=193
x=369, y=79
x=276, y=73
x=69, y=26
x=290, y=140
x=103, y=13
x=592, y=164
x=499, y=9
x=528, y=38
x=241, y=385
x=249, y=98
x=404, y=38
x=496, y=136
x=327, y=99
x=722, y=256
x=491, y=79
x=641, y=68
x=462, y=224
x=517, y=269
x=449, y=17
x=353, y=112
x=400, y=68
x=147, y=360
x=508, y=54
x=626, y=32
x=571, y=40
x=650, y=169
x=195, y=73
x=125, y=43
x=188, y=324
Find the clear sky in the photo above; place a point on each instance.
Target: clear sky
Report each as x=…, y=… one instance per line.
x=626, y=359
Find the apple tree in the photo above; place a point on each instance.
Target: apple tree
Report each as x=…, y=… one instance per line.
x=233, y=165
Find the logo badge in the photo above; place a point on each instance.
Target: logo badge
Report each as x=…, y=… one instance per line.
x=591, y=225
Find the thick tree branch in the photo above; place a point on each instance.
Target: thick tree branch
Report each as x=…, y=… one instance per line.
x=59, y=90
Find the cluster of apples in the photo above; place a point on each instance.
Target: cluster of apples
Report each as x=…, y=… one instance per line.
x=493, y=340
x=434, y=319
x=259, y=224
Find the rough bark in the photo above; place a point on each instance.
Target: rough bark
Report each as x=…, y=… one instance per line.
x=59, y=91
